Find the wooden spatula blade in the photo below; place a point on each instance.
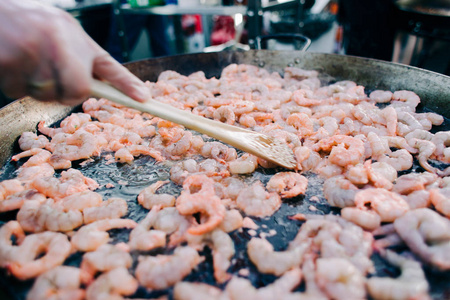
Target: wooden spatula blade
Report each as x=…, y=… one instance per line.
x=249, y=141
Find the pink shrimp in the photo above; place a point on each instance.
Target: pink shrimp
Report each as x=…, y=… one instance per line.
x=92, y=236
x=56, y=247
x=148, y=197
x=198, y=196
x=287, y=184
x=254, y=200
x=344, y=150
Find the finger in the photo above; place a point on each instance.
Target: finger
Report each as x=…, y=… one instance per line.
x=106, y=68
x=65, y=62
x=71, y=65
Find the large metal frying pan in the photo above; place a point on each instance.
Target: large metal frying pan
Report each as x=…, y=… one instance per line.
x=433, y=88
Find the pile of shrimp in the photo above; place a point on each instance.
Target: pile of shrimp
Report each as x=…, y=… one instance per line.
x=356, y=142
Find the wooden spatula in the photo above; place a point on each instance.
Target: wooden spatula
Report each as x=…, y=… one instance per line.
x=252, y=142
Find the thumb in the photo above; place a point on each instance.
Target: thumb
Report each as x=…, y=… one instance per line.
x=107, y=68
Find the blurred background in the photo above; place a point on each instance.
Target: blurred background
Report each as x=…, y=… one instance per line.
x=413, y=32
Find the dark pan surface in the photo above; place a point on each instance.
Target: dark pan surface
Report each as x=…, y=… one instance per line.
x=373, y=74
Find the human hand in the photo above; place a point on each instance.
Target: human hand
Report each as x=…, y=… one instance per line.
x=45, y=53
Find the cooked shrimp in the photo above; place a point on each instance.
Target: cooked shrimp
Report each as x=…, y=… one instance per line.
x=419, y=134
x=255, y=201
x=8, y=251
x=233, y=220
x=71, y=181
x=10, y=187
x=222, y=250
x=229, y=188
x=62, y=282
x=418, y=199
x=442, y=141
x=339, y=191
x=367, y=219
x=411, y=182
x=389, y=115
x=287, y=184
x=198, y=196
x=411, y=284
x=340, y=279
x=127, y=154
x=385, y=170
x=225, y=114
x=170, y=221
x=29, y=140
x=350, y=127
x=301, y=122
x=427, y=234
x=245, y=164
x=112, y=285
x=301, y=154
x=92, y=236
x=218, y=151
x=311, y=162
x=181, y=170
x=407, y=123
x=312, y=290
x=69, y=125
x=379, y=129
x=35, y=216
x=426, y=149
x=184, y=290
x=242, y=289
x=357, y=174
x=247, y=120
x=388, y=205
x=51, y=132
x=380, y=96
x=110, y=209
x=41, y=156
x=13, y=195
x=27, y=175
x=405, y=99
x=329, y=124
x=181, y=146
x=80, y=145
x=304, y=98
x=148, y=197
x=93, y=104
x=55, y=247
x=144, y=239
x=162, y=271
x=267, y=261
x=434, y=118
x=401, y=159
x=125, y=139
x=344, y=150
x=106, y=258
x=378, y=145
x=376, y=178
x=333, y=236
x=441, y=200
x=81, y=200
x=366, y=113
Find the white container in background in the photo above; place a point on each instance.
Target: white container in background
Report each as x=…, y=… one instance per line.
x=188, y=3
